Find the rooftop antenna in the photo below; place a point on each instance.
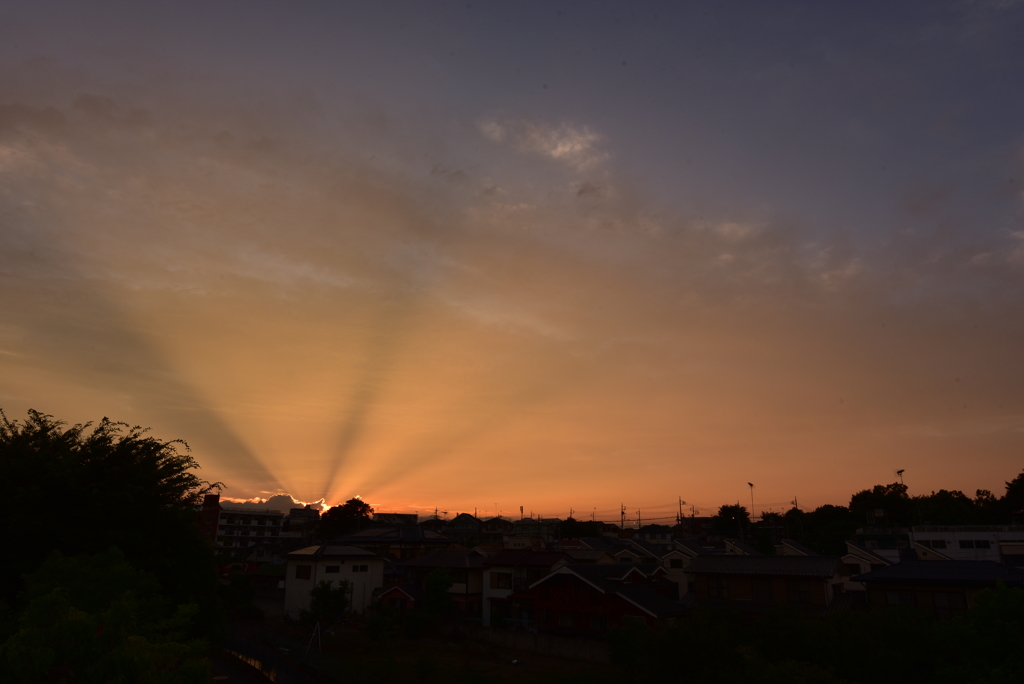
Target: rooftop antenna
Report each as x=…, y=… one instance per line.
x=593, y=515
x=520, y=512
x=622, y=516
x=899, y=474
x=795, y=504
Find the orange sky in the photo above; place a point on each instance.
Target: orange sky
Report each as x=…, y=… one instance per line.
x=491, y=308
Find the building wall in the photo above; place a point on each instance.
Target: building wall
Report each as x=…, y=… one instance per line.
x=296, y=595
x=805, y=591
x=968, y=542
x=567, y=605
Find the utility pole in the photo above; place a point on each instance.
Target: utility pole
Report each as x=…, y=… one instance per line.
x=622, y=516
x=751, y=485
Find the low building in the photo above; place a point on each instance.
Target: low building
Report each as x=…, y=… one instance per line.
x=506, y=583
x=334, y=563
x=465, y=529
x=942, y=587
x=967, y=542
x=808, y=583
x=587, y=600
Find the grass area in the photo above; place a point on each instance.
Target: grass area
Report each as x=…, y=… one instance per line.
x=352, y=657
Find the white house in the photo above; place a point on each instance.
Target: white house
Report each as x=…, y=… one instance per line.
x=363, y=570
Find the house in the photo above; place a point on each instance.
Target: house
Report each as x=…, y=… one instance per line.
x=545, y=528
x=466, y=569
x=761, y=582
x=582, y=555
x=465, y=529
x=943, y=587
x=532, y=543
x=401, y=597
x=790, y=547
x=506, y=583
x=363, y=571
x=735, y=547
x=495, y=530
x=589, y=599
x=656, y=535
x=400, y=542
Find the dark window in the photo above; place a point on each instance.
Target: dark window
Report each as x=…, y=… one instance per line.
x=982, y=544
x=303, y=572
x=938, y=543
x=332, y=569
x=501, y=580
x=716, y=588
x=966, y=543
x=676, y=563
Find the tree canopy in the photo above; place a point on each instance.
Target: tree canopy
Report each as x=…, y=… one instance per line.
x=85, y=488
x=344, y=518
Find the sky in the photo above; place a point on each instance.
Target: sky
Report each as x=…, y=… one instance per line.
x=478, y=256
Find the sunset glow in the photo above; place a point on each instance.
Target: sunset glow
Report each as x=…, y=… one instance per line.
x=481, y=257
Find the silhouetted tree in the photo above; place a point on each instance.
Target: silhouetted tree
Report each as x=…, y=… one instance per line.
x=731, y=521
x=945, y=507
x=892, y=499
x=85, y=488
x=1013, y=500
x=990, y=508
x=437, y=601
x=571, y=528
x=344, y=519
x=327, y=602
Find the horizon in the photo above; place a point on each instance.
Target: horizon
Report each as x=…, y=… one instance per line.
x=490, y=255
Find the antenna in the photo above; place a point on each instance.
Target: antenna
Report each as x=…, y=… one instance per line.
x=520, y=512
x=679, y=518
x=622, y=516
x=795, y=504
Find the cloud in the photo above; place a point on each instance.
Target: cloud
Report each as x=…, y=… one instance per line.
x=578, y=147
x=277, y=502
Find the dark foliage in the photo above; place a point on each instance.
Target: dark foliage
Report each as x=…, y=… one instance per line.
x=87, y=488
x=344, y=519
x=893, y=645
x=732, y=521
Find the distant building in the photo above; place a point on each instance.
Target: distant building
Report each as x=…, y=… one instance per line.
x=398, y=542
x=465, y=529
x=495, y=530
x=545, y=528
x=396, y=518
x=249, y=528
x=209, y=517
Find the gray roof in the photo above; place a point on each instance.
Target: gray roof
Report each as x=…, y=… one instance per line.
x=330, y=550
x=798, y=547
x=393, y=534
x=689, y=547
x=955, y=572
x=650, y=549
x=743, y=547
x=607, y=578
x=586, y=554
x=783, y=566
x=525, y=558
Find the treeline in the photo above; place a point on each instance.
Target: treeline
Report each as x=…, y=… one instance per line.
x=105, y=577
x=826, y=528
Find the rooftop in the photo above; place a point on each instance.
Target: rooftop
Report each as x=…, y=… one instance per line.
x=786, y=566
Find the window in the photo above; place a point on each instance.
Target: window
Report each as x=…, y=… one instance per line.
x=716, y=588
x=900, y=598
x=501, y=580
x=982, y=544
x=263, y=521
x=332, y=569
x=938, y=543
x=676, y=563
x=761, y=590
x=303, y=572
x=360, y=568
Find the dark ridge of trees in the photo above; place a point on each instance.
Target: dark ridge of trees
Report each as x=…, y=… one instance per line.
x=344, y=519
x=571, y=528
